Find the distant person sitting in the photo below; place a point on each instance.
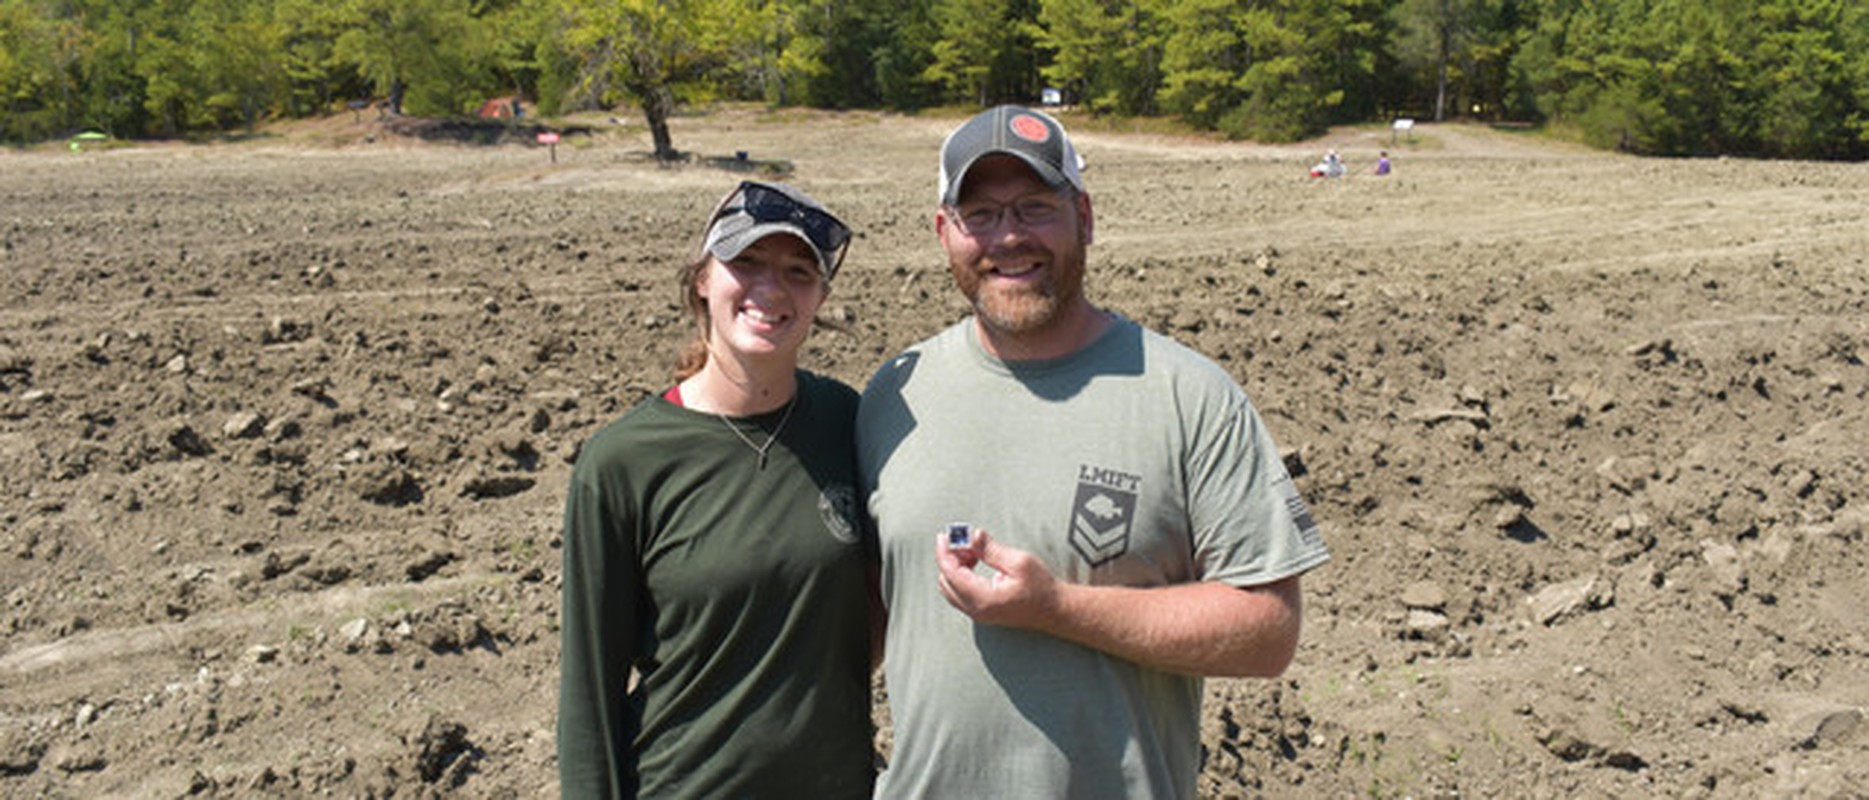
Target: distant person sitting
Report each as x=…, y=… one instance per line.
x=1382, y=163
x=1330, y=167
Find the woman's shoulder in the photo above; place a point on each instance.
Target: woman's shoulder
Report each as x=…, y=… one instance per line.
x=638, y=428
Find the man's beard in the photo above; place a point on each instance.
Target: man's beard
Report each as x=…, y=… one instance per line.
x=1030, y=309
x=1024, y=313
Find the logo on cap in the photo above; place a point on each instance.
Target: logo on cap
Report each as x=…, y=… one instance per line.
x=1028, y=127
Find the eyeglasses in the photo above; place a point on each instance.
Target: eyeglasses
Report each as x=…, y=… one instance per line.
x=1033, y=211
x=766, y=204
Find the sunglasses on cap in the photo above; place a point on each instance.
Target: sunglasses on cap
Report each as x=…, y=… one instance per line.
x=766, y=204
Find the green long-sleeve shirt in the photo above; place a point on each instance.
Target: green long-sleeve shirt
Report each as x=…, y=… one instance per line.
x=738, y=595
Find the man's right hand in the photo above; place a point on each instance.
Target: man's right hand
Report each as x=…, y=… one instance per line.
x=1019, y=592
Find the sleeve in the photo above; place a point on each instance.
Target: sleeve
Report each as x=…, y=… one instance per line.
x=1249, y=523
x=598, y=622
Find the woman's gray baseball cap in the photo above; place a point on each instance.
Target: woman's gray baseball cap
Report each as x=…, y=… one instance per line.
x=757, y=209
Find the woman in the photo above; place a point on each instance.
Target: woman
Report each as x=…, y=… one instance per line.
x=711, y=545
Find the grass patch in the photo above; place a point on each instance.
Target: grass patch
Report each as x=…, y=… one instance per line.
x=1075, y=120
x=518, y=547
x=391, y=608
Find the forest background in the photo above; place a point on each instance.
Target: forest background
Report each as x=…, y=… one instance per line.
x=1770, y=78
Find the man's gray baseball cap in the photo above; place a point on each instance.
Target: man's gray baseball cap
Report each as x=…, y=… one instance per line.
x=1033, y=136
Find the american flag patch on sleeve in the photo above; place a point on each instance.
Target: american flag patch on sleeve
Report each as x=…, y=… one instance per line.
x=1301, y=516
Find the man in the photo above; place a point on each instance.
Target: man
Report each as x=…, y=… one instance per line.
x=1129, y=526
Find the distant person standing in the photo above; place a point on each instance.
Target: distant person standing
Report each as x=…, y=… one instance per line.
x=1382, y=163
x=712, y=545
x=1078, y=517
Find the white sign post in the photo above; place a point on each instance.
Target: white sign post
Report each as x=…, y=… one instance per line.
x=550, y=138
x=1403, y=125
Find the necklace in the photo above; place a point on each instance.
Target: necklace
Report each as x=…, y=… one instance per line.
x=759, y=450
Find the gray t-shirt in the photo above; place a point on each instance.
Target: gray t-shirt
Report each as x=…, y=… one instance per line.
x=1134, y=462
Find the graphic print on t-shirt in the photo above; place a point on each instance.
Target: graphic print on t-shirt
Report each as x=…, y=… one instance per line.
x=1102, y=513
x=838, y=506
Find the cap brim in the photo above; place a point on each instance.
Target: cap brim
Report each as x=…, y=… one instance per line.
x=1045, y=172
x=729, y=246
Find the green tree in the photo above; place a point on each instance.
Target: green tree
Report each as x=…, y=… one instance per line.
x=1272, y=70
x=72, y=46
x=903, y=57
x=835, y=53
x=29, y=72
x=1807, y=106
x=1698, y=75
x=315, y=76
x=432, y=56
x=970, y=33
x=1565, y=55
x=239, y=57
x=113, y=93
x=1290, y=84
x=1463, y=46
x=651, y=52
x=859, y=44
x=785, y=53
x=1360, y=61
x=522, y=56
x=209, y=65
x=163, y=65
x=1685, y=77
x=983, y=50
x=1106, y=53
x=1205, y=50
x=1622, y=117
x=1853, y=37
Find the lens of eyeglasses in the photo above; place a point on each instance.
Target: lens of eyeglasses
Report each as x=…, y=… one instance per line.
x=768, y=205
x=1030, y=211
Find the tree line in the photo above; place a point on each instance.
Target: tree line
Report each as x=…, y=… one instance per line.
x=1770, y=78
